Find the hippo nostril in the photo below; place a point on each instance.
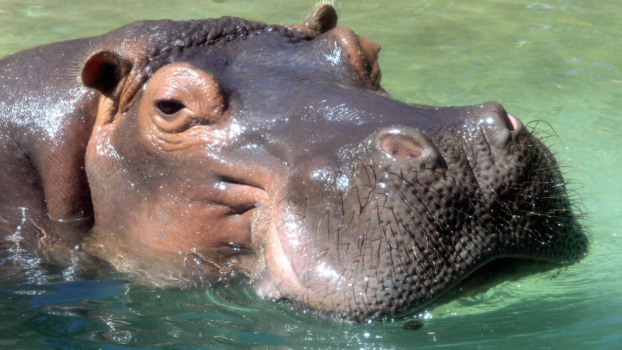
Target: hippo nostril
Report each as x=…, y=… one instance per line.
x=493, y=114
x=400, y=146
x=511, y=122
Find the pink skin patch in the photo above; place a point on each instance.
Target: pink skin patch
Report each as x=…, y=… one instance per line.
x=512, y=123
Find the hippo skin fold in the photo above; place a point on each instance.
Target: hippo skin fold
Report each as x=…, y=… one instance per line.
x=184, y=153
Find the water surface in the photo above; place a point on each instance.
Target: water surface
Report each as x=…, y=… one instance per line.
x=554, y=61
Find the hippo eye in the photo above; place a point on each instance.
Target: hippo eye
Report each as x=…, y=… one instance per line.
x=169, y=107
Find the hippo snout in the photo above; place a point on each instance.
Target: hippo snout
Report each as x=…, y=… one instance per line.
x=416, y=206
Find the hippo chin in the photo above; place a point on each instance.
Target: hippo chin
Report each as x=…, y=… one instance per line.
x=182, y=153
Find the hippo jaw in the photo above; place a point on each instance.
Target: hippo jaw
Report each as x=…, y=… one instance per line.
x=419, y=215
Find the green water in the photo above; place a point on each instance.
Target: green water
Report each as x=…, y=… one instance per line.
x=556, y=61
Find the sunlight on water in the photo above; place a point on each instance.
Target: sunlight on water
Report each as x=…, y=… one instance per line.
x=556, y=61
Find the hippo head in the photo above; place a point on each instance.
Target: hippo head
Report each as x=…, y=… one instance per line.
x=231, y=147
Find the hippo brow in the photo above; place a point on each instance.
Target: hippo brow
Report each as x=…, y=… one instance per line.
x=165, y=39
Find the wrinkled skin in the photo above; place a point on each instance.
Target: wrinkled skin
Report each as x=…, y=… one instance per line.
x=185, y=152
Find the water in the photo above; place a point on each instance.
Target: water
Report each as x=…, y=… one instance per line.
x=556, y=61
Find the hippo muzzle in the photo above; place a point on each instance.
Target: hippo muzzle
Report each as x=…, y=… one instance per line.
x=385, y=225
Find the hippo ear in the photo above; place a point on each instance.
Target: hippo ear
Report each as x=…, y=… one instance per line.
x=103, y=71
x=323, y=19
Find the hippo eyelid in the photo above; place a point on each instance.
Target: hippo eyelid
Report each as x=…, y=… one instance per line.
x=169, y=107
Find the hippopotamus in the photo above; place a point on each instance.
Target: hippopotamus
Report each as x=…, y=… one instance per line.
x=187, y=154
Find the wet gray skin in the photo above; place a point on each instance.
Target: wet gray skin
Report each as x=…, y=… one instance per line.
x=390, y=204
x=312, y=181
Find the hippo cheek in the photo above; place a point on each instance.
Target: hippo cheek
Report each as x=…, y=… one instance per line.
x=200, y=204
x=175, y=201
